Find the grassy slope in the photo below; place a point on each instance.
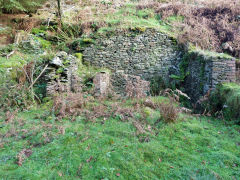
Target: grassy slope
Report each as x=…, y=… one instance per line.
x=192, y=148
x=129, y=17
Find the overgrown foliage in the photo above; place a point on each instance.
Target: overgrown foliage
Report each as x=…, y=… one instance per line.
x=68, y=104
x=136, y=87
x=78, y=136
x=210, y=25
x=224, y=102
x=13, y=6
x=21, y=83
x=12, y=94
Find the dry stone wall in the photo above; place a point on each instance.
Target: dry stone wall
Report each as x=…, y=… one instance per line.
x=147, y=54
x=62, y=74
x=206, y=71
x=152, y=54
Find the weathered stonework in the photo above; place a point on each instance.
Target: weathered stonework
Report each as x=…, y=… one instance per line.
x=62, y=74
x=206, y=71
x=121, y=83
x=147, y=54
x=28, y=43
x=101, y=83
x=152, y=54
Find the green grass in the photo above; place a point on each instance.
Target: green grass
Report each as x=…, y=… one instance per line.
x=14, y=61
x=129, y=17
x=192, y=48
x=192, y=148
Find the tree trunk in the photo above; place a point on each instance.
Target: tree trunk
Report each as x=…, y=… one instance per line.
x=59, y=9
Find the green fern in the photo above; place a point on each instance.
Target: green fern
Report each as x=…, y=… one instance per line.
x=13, y=6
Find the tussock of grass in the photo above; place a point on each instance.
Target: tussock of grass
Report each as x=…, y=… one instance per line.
x=111, y=149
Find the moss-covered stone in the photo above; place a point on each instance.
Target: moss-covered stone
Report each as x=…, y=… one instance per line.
x=36, y=31
x=81, y=43
x=79, y=57
x=138, y=29
x=148, y=111
x=88, y=41
x=44, y=43
x=196, y=50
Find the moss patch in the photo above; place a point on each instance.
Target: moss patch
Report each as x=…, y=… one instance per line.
x=194, y=49
x=44, y=43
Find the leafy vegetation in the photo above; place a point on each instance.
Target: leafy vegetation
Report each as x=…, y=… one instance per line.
x=19, y=5
x=17, y=75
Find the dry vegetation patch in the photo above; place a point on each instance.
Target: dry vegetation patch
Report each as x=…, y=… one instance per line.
x=211, y=25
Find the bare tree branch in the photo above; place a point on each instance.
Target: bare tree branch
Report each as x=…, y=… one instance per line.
x=38, y=76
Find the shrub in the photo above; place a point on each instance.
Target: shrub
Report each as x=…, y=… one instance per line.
x=44, y=43
x=22, y=80
x=12, y=94
x=169, y=112
x=157, y=84
x=136, y=87
x=37, y=31
x=68, y=104
x=67, y=32
x=79, y=44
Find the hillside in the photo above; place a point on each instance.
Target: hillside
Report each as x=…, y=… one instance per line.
x=120, y=89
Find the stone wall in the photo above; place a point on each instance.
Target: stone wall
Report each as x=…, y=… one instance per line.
x=61, y=74
x=206, y=71
x=153, y=54
x=146, y=54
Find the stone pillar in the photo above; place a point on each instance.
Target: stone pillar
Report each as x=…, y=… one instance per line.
x=101, y=84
